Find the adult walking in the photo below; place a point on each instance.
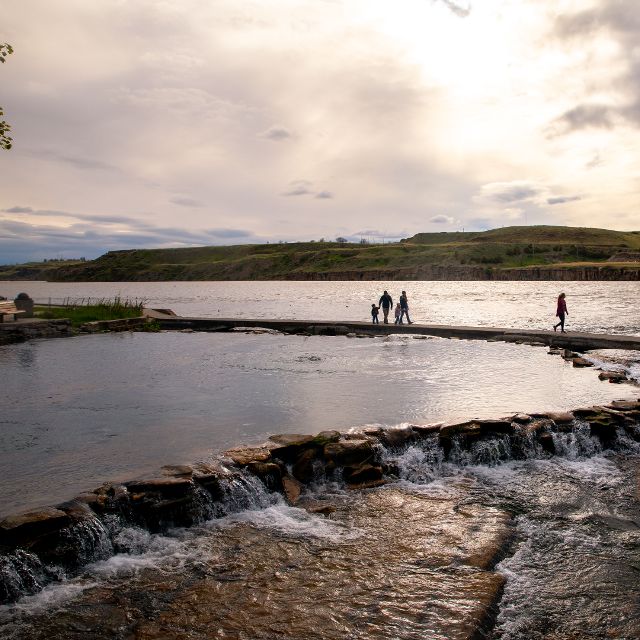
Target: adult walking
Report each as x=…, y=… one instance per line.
x=404, y=308
x=561, y=312
x=386, y=303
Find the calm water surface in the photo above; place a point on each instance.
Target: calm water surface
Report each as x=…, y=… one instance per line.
x=79, y=411
x=392, y=563
x=593, y=306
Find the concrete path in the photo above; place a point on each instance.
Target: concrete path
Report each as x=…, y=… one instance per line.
x=569, y=340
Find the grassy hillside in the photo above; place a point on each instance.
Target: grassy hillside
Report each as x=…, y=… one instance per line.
x=464, y=255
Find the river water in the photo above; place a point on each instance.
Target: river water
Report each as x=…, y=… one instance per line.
x=605, y=307
x=548, y=544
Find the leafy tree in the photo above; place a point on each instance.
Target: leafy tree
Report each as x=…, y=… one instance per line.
x=5, y=140
x=341, y=240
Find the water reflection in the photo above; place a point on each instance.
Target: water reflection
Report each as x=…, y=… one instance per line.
x=105, y=407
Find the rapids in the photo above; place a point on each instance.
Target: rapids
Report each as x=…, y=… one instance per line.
x=496, y=540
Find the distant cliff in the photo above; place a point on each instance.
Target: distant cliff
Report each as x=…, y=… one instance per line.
x=512, y=253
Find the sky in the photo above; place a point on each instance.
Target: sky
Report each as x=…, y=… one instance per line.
x=171, y=123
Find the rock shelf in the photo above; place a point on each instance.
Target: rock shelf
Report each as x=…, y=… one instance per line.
x=74, y=532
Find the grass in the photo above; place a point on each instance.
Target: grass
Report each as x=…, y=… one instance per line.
x=91, y=310
x=497, y=249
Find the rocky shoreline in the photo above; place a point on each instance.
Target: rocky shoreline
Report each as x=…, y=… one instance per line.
x=38, y=547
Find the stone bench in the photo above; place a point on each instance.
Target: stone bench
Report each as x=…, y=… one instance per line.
x=8, y=308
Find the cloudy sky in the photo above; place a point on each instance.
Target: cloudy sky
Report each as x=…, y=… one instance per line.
x=157, y=123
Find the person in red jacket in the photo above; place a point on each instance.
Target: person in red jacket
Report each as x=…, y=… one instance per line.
x=561, y=312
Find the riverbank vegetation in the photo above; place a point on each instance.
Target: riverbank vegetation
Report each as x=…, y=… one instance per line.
x=511, y=253
x=91, y=310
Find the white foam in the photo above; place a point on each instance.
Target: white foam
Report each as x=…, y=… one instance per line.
x=291, y=521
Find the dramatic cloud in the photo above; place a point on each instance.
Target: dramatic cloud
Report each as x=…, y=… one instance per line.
x=74, y=235
x=563, y=199
x=276, y=133
x=19, y=210
x=456, y=8
x=582, y=117
x=511, y=192
x=298, y=188
x=198, y=116
x=441, y=219
x=185, y=202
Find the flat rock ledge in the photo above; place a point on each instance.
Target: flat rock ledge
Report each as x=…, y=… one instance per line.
x=74, y=532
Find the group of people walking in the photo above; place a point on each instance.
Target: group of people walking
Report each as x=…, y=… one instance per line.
x=386, y=303
x=402, y=310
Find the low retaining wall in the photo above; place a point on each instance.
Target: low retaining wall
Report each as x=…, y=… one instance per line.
x=20, y=331
x=71, y=534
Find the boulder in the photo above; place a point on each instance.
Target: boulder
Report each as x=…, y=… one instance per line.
x=269, y=473
x=559, y=417
x=324, y=437
x=581, y=362
x=546, y=442
x=242, y=456
x=613, y=376
x=470, y=429
x=303, y=466
x=425, y=430
x=349, y=452
x=495, y=426
x=625, y=405
x=167, y=488
x=316, y=506
x=398, y=437
x=363, y=475
x=292, y=489
x=23, y=528
x=174, y=470
x=287, y=446
x=536, y=425
x=521, y=418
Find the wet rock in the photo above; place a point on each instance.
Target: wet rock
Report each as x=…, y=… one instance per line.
x=546, y=442
x=349, y=452
x=521, y=418
x=303, y=467
x=363, y=476
x=324, y=437
x=612, y=376
x=470, y=429
x=323, y=507
x=292, y=489
x=625, y=405
x=581, y=362
x=495, y=426
x=287, y=446
x=269, y=473
x=24, y=528
x=242, y=456
x=425, y=430
x=536, y=425
x=165, y=487
x=174, y=470
x=559, y=417
x=397, y=438
x=210, y=478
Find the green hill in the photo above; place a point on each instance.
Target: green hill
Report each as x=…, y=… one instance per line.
x=541, y=252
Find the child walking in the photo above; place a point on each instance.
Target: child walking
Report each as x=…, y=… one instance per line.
x=398, y=313
x=374, y=313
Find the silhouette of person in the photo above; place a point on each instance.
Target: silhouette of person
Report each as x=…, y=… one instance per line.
x=386, y=303
x=404, y=308
x=561, y=312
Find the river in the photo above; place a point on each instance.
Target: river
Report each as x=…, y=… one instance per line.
x=548, y=545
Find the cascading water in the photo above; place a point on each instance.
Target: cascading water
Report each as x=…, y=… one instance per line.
x=413, y=559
